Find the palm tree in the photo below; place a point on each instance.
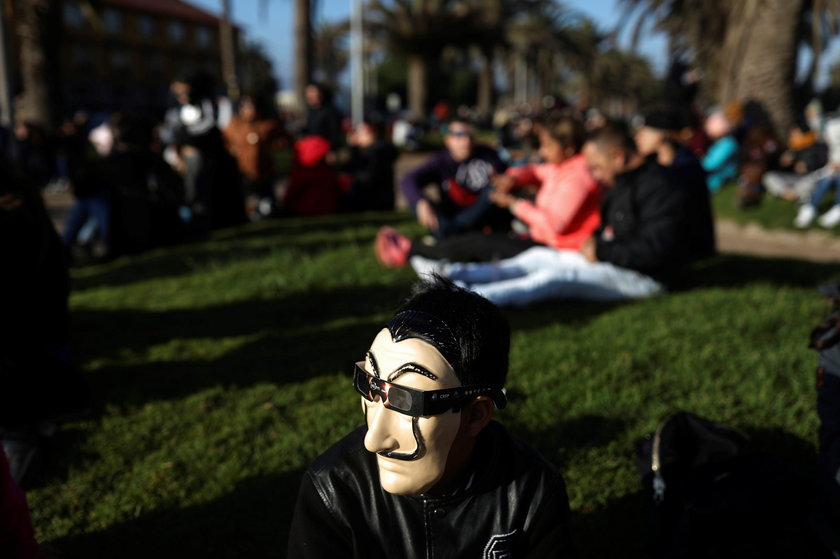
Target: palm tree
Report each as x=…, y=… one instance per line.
x=584, y=43
x=38, y=26
x=621, y=82
x=331, y=54
x=746, y=49
x=419, y=30
x=489, y=23
x=539, y=41
x=303, y=48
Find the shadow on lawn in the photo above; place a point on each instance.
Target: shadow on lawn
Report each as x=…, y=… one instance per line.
x=555, y=441
x=252, y=521
x=729, y=270
x=227, y=246
x=287, y=339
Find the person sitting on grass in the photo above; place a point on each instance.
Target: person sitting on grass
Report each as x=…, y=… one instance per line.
x=808, y=211
x=721, y=161
x=642, y=242
x=563, y=215
x=461, y=176
x=800, y=166
x=431, y=474
x=658, y=138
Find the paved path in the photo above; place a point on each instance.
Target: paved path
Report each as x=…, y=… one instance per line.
x=817, y=246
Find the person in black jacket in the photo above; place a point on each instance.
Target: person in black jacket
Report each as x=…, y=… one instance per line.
x=322, y=118
x=641, y=244
x=430, y=474
x=370, y=169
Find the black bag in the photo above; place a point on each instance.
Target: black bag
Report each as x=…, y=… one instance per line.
x=712, y=498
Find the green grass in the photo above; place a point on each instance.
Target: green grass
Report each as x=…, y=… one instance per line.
x=222, y=371
x=772, y=213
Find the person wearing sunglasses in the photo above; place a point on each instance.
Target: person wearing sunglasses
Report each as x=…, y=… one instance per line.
x=461, y=176
x=430, y=474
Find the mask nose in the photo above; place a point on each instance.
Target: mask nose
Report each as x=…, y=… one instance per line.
x=382, y=426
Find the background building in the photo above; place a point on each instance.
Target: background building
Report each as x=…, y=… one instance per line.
x=122, y=54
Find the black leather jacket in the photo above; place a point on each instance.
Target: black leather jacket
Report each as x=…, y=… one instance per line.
x=516, y=506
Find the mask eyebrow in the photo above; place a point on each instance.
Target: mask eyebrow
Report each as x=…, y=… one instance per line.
x=412, y=368
x=373, y=363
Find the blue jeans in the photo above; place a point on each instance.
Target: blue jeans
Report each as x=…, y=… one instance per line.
x=542, y=273
x=470, y=218
x=98, y=207
x=823, y=187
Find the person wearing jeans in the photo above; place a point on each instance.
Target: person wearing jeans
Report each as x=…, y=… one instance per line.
x=643, y=240
x=542, y=273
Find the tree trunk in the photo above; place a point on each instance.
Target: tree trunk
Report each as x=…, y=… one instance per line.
x=229, y=74
x=760, y=57
x=39, y=28
x=303, y=48
x=417, y=86
x=485, y=85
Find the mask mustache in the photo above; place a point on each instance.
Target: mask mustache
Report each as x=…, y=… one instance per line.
x=416, y=454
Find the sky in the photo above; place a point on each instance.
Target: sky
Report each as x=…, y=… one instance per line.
x=273, y=28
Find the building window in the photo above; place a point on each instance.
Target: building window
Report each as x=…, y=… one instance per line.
x=203, y=36
x=177, y=32
x=73, y=16
x=83, y=57
x=155, y=63
x=147, y=27
x=120, y=60
x=112, y=20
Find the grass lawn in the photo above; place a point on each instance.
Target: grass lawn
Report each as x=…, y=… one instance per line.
x=222, y=370
x=772, y=213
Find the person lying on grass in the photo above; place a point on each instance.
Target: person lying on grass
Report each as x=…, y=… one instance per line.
x=563, y=215
x=642, y=242
x=430, y=474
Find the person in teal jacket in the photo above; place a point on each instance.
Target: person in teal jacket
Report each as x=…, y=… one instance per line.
x=721, y=161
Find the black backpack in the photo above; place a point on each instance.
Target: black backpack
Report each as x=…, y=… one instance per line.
x=711, y=497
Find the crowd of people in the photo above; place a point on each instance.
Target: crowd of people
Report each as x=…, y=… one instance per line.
x=607, y=215
x=569, y=205
x=206, y=163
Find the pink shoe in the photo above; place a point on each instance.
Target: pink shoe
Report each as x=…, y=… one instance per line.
x=392, y=247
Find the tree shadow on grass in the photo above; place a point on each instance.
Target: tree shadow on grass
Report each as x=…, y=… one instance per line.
x=287, y=339
x=800, y=455
x=568, y=312
x=252, y=521
x=617, y=529
x=585, y=431
x=730, y=270
x=303, y=235
x=304, y=225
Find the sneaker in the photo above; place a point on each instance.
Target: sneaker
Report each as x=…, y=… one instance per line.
x=830, y=218
x=426, y=266
x=805, y=216
x=391, y=247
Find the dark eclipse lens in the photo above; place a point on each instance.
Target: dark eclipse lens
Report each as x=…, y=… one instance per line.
x=399, y=398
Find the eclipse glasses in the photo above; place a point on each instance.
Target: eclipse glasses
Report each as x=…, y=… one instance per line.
x=417, y=403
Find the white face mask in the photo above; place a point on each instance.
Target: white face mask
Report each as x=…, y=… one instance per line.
x=411, y=453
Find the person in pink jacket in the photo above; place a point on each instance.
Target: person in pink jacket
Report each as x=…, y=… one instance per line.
x=564, y=213
x=17, y=539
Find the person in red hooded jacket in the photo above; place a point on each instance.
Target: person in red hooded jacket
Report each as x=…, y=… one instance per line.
x=313, y=183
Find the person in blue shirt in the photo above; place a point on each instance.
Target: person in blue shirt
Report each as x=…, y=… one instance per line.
x=721, y=161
